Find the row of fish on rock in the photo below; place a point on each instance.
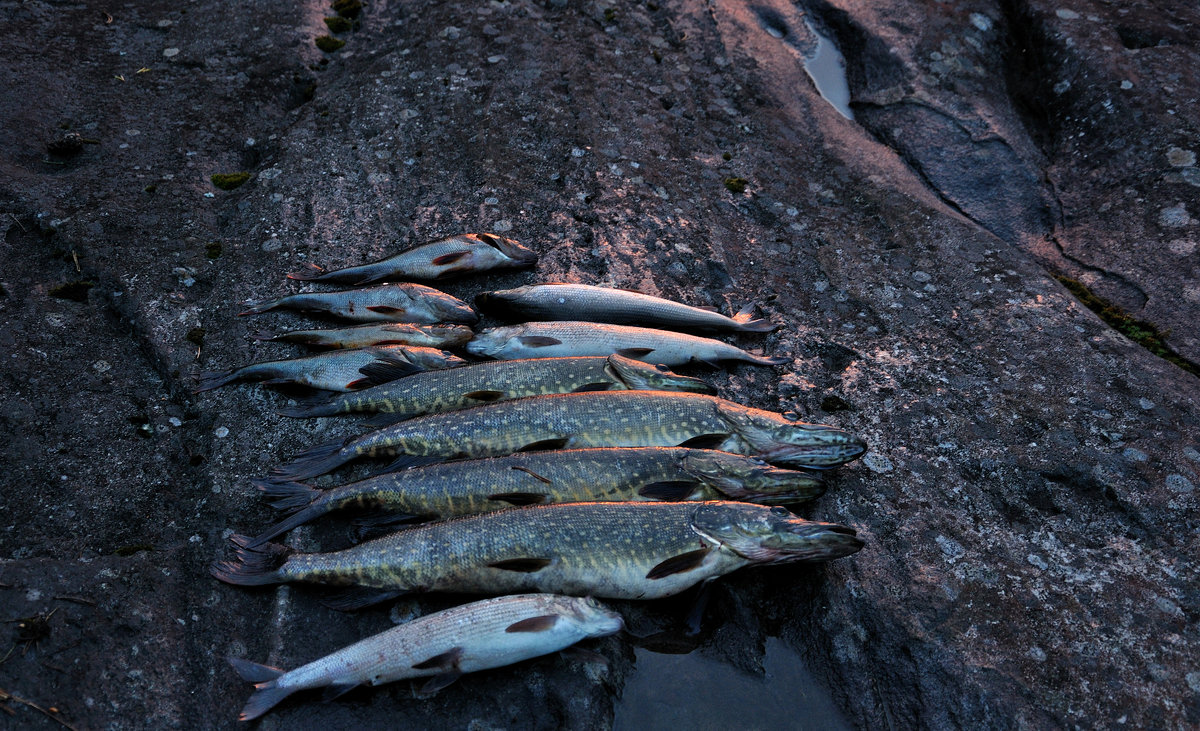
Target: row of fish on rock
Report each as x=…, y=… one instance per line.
x=576, y=464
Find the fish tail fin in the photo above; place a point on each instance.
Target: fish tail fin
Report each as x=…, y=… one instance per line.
x=305, y=502
x=208, y=380
x=254, y=566
x=311, y=273
x=253, y=307
x=253, y=672
x=314, y=461
x=267, y=692
x=318, y=406
x=746, y=323
x=288, y=495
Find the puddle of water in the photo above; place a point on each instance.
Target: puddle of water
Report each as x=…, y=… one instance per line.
x=674, y=692
x=827, y=68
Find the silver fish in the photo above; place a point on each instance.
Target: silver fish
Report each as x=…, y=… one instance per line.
x=386, y=303
x=388, y=333
x=559, y=339
x=340, y=370
x=436, y=260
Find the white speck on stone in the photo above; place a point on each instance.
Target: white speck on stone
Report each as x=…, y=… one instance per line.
x=195, y=538
x=493, y=201
x=981, y=21
x=164, y=23
x=33, y=595
x=221, y=432
x=1179, y=484
x=170, y=52
x=1066, y=14
x=1181, y=158
x=495, y=59
x=102, y=366
x=921, y=276
x=1037, y=654
x=133, y=132
x=1037, y=561
x=878, y=463
x=1062, y=86
x=577, y=152
x=1145, y=404
x=792, y=211
x=270, y=174
x=502, y=225
x=210, y=195
x=1175, y=216
x=951, y=548
x=409, y=113
x=820, y=286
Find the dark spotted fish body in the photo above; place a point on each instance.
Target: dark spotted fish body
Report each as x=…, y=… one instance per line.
x=559, y=339
x=404, y=302
x=481, y=383
x=556, y=301
x=341, y=370
x=436, y=260
x=486, y=634
x=466, y=487
x=598, y=419
x=620, y=550
x=390, y=333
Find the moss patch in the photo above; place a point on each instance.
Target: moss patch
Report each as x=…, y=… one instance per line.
x=1141, y=332
x=337, y=24
x=76, y=291
x=347, y=8
x=736, y=185
x=195, y=335
x=329, y=44
x=213, y=249
x=229, y=181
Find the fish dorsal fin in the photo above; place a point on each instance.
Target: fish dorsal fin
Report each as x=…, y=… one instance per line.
x=538, y=341
x=489, y=239
x=484, y=395
x=448, y=258
x=635, y=353
x=669, y=490
x=522, y=565
x=545, y=444
x=534, y=624
x=447, y=660
x=679, y=564
x=518, y=498
x=705, y=441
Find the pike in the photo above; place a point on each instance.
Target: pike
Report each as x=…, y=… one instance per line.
x=558, y=301
x=403, y=302
x=480, y=383
x=618, y=550
x=557, y=339
x=639, y=474
x=435, y=260
x=341, y=370
x=441, y=646
x=390, y=333
x=600, y=419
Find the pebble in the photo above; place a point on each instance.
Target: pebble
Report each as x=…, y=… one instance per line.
x=1037, y=653
x=1146, y=404
x=1179, y=484
x=1127, y=84
x=1134, y=455
x=175, y=421
x=1191, y=453
x=951, y=548
x=981, y=21
x=921, y=276
x=170, y=52
x=221, y=432
x=1066, y=14
x=1193, y=681
x=102, y=366
x=272, y=245
x=878, y=463
x=1182, y=247
x=1174, y=216
x=1181, y=158
x=502, y=225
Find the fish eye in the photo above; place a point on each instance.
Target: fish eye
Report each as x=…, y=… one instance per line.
x=661, y=368
x=781, y=512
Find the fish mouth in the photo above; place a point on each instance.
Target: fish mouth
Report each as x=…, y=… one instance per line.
x=838, y=450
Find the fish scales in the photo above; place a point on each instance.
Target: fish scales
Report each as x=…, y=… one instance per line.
x=359, y=336
x=340, y=370
x=402, y=302
x=439, y=259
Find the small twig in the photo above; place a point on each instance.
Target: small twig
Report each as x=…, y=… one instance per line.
x=51, y=712
x=75, y=258
x=76, y=599
x=18, y=222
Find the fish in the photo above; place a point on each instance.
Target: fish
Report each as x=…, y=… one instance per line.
x=615, y=550
x=441, y=646
x=439, y=259
x=559, y=301
x=482, y=383
x=451, y=489
x=590, y=419
x=390, y=333
x=342, y=370
x=557, y=339
x=402, y=302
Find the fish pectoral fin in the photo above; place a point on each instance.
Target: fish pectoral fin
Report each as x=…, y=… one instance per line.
x=387, y=368
x=436, y=683
x=635, y=352
x=598, y=386
x=705, y=441
x=531, y=473
x=484, y=395
x=538, y=341
x=679, y=564
x=518, y=498
x=446, y=661
x=384, y=309
x=337, y=690
x=534, y=624
x=668, y=490
x=448, y=258
x=545, y=444
x=521, y=565
x=351, y=600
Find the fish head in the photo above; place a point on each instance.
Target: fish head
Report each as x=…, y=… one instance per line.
x=639, y=376
x=500, y=302
x=792, y=443
x=772, y=535
x=492, y=342
x=451, y=335
x=592, y=617
x=452, y=309
x=510, y=248
x=751, y=480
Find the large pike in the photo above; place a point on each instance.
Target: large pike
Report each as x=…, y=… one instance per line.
x=340, y=370
x=441, y=646
x=558, y=339
x=386, y=303
x=616, y=550
x=436, y=260
x=603, y=419
x=389, y=333
x=557, y=301
x=480, y=383
x=451, y=489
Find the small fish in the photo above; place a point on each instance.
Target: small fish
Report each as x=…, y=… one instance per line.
x=482, y=383
x=384, y=303
x=441, y=646
x=391, y=333
x=620, y=550
x=557, y=339
x=466, y=487
x=436, y=260
x=557, y=301
x=595, y=419
x=341, y=370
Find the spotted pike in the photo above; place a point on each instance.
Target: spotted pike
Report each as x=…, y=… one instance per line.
x=557, y=301
x=603, y=419
x=403, y=302
x=479, y=383
x=390, y=333
x=342, y=370
x=617, y=550
x=448, y=490
x=557, y=339
x=442, y=646
x=436, y=260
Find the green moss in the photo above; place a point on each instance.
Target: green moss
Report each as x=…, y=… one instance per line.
x=610, y=15
x=213, y=249
x=736, y=185
x=76, y=291
x=150, y=188
x=726, y=156
x=1141, y=332
x=347, y=8
x=338, y=24
x=195, y=335
x=329, y=44
x=229, y=181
